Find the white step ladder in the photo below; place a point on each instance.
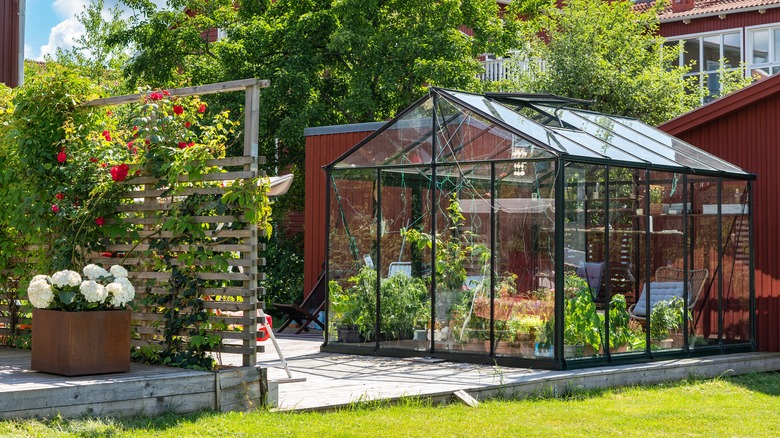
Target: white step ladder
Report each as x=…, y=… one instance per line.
x=282, y=361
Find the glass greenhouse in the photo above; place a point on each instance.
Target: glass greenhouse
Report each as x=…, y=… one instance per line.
x=518, y=229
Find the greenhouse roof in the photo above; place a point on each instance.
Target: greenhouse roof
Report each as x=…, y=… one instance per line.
x=476, y=128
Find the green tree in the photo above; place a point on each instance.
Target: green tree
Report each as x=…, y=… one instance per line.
x=91, y=53
x=607, y=52
x=329, y=62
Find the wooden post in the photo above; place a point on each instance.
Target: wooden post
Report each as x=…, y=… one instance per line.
x=251, y=134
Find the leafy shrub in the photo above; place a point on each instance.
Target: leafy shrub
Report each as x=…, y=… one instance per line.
x=283, y=281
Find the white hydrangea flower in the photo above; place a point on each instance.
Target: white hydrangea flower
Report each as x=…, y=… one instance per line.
x=40, y=294
x=45, y=278
x=94, y=272
x=118, y=271
x=120, y=294
x=129, y=289
x=66, y=278
x=93, y=292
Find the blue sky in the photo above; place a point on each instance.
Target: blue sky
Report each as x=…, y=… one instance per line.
x=50, y=24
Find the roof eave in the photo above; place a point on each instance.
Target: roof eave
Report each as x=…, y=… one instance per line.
x=693, y=16
x=719, y=107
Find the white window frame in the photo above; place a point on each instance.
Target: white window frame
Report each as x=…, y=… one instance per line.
x=770, y=64
x=700, y=37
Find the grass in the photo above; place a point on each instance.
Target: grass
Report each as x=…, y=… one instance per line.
x=735, y=406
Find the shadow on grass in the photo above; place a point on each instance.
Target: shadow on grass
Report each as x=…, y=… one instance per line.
x=766, y=383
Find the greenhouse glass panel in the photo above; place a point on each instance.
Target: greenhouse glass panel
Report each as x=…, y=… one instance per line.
x=406, y=140
x=666, y=288
x=463, y=254
x=524, y=261
x=352, y=256
x=405, y=307
x=532, y=130
x=735, y=299
x=584, y=261
x=625, y=255
x=705, y=240
x=604, y=131
x=464, y=136
x=607, y=151
x=683, y=152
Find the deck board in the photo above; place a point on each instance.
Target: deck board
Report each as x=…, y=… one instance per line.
x=145, y=389
x=337, y=380
x=323, y=381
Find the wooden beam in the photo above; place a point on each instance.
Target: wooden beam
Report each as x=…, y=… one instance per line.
x=199, y=90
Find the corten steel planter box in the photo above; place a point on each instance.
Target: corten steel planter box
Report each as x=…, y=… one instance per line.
x=81, y=343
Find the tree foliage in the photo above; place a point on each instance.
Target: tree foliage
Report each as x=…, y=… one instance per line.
x=91, y=54
x=606, y=52
x=329, y=62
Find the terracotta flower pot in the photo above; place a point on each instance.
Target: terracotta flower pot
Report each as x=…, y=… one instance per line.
x=81, y=343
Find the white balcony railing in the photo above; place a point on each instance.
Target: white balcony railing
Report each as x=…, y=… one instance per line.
x=499, y=68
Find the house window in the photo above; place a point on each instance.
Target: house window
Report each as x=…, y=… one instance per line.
x=703, y=54
x=764, y=52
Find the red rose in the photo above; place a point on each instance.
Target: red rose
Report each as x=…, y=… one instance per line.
x=54, y=208
x=100, y=221
x=156, y=96
x=187, y=124
x=202, y=108
x=109, y=113
x=182, y=145
x=130, y=144
x=107, y=135
x=119, y=173
x=147, y=141
x=178, y=110
x=135, y=128
x=60, y=196
x=134, y=150
x=62, y=156
x=102, y=164
x=166, y=93
x=190, y=144
x=93, y=159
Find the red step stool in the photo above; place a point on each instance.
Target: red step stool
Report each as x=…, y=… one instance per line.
x=262, y=334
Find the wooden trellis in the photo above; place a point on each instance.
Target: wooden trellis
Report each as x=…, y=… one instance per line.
x=235, y=302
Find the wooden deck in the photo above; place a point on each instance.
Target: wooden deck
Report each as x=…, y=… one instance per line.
x=334, y=380
x=145, y=390
x=321, y=381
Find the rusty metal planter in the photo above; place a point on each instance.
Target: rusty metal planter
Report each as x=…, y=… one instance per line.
x=81, y=343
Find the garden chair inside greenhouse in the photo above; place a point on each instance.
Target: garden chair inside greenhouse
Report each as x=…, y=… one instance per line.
x=669, y=284
x=397, y=267
x=308, y=311
x=593, y=273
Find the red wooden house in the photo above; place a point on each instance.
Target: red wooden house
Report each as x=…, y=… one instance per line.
x=743, y=129
x=11, y=52
x=742, y=31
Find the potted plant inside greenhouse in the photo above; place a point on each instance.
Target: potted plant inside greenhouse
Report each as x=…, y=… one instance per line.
x=666, y=320
x=403, y=296
x=472, y=190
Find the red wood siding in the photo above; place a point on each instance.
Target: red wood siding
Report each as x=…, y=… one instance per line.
x=711, y=24
x=320, y=151
x=9, y=42
x=750, y=138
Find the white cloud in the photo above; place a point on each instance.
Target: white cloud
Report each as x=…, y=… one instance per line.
x=65, y=33
x=62, y=35
x=69, y=8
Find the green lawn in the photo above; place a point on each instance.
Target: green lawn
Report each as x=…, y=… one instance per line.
x=739, y=406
